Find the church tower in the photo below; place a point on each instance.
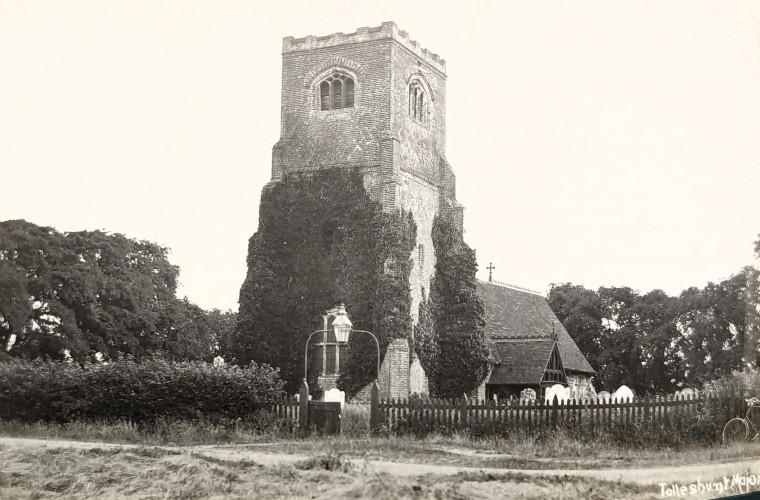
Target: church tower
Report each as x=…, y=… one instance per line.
x=373, y=100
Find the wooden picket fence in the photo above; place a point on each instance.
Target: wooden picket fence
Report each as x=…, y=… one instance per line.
x=686, y=417
x=680, y=414
x=286, y=408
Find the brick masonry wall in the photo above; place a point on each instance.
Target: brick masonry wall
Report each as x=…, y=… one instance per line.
x=421, y=198
x=312, y=138
x=422, y=145
x=396, y=363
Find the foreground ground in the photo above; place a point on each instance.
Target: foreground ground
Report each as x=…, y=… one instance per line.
x=357, y=468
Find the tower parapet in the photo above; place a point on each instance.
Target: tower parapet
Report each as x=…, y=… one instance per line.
x=387, y=30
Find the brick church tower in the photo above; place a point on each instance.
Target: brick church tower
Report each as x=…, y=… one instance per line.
x=373, y=100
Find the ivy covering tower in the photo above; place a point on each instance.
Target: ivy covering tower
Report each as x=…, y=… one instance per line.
x=358, y=177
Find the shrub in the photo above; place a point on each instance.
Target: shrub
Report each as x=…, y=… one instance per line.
x=354, y=419
x=144, y=392
x=743, y=382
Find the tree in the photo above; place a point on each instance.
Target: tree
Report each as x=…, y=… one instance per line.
x=89, y=293
x=658, y=338
x=461, y=356
x=580, y=312
x=15, y=306
x=712, y=325
x=629, y=338
x=425, y=342
x=621, y=357
x=752, y=333
x=191, y=333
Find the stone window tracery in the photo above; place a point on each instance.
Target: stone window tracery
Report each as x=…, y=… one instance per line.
x=336, y=91
x=417, y=102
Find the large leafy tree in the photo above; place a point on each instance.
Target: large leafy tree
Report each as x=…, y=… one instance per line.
x=655, y=342
x=752, y=322
x=712, y=325
x=629, y=338
x=661, y=367
x=580, y=312
x=89, y=293
x=322, y=241
x=621, y=356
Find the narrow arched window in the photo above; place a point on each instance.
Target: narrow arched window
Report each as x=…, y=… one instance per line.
x=349, y=93
x=336, y=91
x=417, y=102
x=324, y=90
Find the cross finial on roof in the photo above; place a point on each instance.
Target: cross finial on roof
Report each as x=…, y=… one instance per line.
x=490, y=269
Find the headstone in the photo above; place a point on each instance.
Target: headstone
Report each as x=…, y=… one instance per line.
x=558, y=390
x=335, y=395
x=528, y=395
x=623, y=394
x=688, y=393
x=604, y=396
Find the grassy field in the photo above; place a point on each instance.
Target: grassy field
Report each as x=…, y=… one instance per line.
x=175, y=461
x=518, y=451
x=168, y=474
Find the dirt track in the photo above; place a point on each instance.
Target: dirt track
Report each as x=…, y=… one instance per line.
x=262, y=456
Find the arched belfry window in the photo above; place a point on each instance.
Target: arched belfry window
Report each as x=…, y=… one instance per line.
x=336, y=91
x=418, y=102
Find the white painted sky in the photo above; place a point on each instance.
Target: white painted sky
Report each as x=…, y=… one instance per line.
x=594, y=142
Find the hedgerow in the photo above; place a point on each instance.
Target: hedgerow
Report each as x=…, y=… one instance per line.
x=143, y=392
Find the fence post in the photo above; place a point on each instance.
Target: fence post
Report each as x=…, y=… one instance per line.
x=647, y=402
x=463, y=410
x=303, y=405
x=555, y=412
x=374, y=407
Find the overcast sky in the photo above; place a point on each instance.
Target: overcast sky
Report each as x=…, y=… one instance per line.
x=594, y=142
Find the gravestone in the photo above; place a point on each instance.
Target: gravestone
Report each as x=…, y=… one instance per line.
x=335, y=396
x=557, y=390
x=623, y=394
x=528, y=395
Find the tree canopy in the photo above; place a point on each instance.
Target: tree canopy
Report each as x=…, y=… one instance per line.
x=90, y=293
x=657, y=343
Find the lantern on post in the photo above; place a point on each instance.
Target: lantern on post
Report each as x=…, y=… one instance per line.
x=342, y=327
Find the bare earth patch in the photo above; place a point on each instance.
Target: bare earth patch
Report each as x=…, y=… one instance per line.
x=36, y=469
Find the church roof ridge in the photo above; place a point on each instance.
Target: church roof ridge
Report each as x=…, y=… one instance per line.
x=386, y=30
x=514, y=287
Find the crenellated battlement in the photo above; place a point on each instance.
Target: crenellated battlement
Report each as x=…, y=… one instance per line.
x=387, y=30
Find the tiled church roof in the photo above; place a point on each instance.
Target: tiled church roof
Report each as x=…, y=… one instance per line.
x=513, y=315
x=520, y=362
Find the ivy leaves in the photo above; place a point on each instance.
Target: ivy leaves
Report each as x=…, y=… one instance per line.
x=450, y=337
x=322, y=241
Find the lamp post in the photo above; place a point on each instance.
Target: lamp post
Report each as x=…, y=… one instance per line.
x=342, y=327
